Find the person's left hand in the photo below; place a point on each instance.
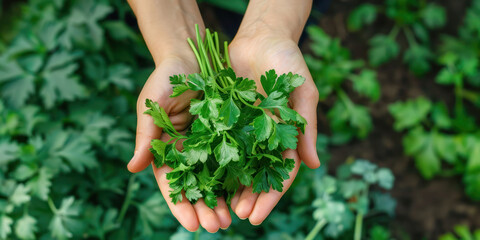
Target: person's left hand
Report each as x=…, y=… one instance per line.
x=251, y=57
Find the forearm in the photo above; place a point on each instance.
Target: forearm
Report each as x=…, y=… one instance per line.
x=166, y=25
x=285, y=18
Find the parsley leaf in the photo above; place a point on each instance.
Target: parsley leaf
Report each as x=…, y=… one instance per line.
x=226, y=152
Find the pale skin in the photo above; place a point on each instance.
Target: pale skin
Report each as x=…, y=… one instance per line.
x=267, y=39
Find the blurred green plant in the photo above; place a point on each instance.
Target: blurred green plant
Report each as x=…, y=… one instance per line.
x=433, y=135
x=379, y=232
x=462, y=232
x=331, y=66
x=66, y=125
x=412, y=18
x=344, y=201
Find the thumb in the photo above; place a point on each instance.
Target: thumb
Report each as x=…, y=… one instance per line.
x=305, y=101
x=146, y=131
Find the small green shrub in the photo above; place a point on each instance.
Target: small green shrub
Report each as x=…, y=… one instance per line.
x=331, y=66
x=414, y=19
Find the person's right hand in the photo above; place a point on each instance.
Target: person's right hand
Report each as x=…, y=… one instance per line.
x=165, y=26
x=158, y=88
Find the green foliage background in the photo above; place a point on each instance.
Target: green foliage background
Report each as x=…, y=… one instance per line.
x=70, y=72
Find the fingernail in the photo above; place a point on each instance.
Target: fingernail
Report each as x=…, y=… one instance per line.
x=224, y=228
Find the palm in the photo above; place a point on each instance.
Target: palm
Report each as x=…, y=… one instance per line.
x=251, y=58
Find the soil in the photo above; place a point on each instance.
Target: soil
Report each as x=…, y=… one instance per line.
x=426, y=209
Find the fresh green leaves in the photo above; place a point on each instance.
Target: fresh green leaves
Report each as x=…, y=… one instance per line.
x=331, y=66
x=263, y=126
x=231, y=141
x=461, y=232
x=410, y=113
x=383, y=48
x=229, y=112
x=432, y=138
x=226, y=152
x=363, y=15
x=412, y=20
x=350, y=193
x=366, y=84
x=434, y=16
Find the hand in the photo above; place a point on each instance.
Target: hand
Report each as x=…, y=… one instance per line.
x=165, y=26
x=158, y=89
x=251, y=55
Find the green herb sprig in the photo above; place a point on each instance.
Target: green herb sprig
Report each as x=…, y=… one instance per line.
x=232, y=141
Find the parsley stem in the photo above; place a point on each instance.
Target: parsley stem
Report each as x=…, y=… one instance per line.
x=345, y=100
x=211, y=49
x=227, y=56
x=199, y=60
x=202, y=51
x=213, y=52
x=197, y=234
x=358, y=227
x=250, y=105
x=393, y=34
x=471, y=96
x=52, y=205
x=217, y=45
x=410, y=37
x=459, y=111
x=320, y=224
x=231, y=138
x=128, y=199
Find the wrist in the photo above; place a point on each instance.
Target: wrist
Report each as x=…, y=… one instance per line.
x=174, y=46
x=166, y=25
x=279, y=19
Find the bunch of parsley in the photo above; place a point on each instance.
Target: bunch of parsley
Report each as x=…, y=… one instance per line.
x=231, y=141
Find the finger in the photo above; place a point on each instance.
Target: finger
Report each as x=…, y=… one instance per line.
x=182, y=120
x=236, y=197
x=267, y=201
x=223, y=213
x=305, y=100
x=183, y=210
x=246, y=203
x=207, y=217
x=146, y=131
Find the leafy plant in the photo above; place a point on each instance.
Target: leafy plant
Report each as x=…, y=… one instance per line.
x=231, y=141
x=412, y=18
x=331, y=67
x=434, y=136
x=463, y=233
x=343, y=202
x=66, y=128
x=378, y=232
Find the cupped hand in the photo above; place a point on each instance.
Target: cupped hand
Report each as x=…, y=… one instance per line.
x=158, y=88
x=251, y=57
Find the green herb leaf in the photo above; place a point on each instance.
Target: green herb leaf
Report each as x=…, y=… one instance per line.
x=226, y=152
x=382, y=49
x=363, y=15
